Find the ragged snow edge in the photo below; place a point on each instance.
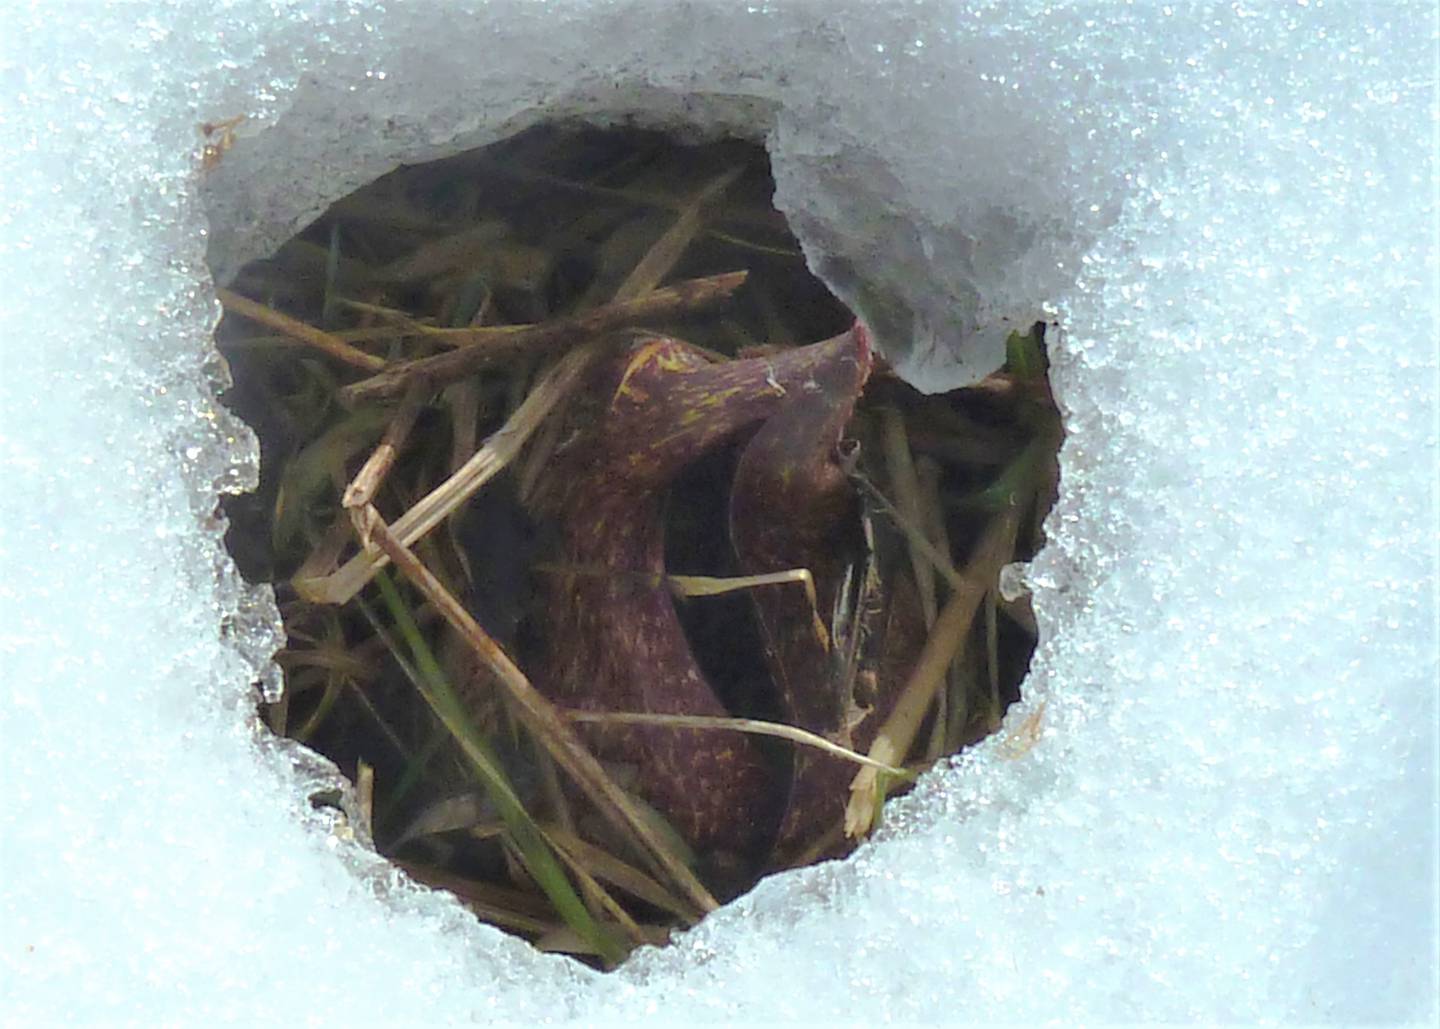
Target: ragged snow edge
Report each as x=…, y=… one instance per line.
x=272, y=183
x=839, y=184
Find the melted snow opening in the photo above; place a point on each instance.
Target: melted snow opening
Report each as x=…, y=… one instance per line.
x=547, y=224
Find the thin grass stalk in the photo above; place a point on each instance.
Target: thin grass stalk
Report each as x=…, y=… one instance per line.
x=951, y=627
x=542, y=719
x=754, y=726
x=933, y=523
x=488, y=903
x=601, y=897
x=368, y=480
x=667, y=251
x=317, y=339
x=524, y=831
x=992, y=659
x=913, y=532
x=905, y=485
x=365, y=795
x=617, y=872
x=498, y=451
x=503, y=343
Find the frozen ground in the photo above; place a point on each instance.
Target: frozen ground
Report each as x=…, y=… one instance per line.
x=1231, y=812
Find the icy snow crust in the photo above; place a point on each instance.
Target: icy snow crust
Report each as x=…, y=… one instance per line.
x=1229, y=812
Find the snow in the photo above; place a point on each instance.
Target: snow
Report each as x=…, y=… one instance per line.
x=1230, y=810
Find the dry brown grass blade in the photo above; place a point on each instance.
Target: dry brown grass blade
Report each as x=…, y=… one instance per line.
x=367, y=481
x=754, y=726
x=397, y=320
x=485, y=346
x=914, y=534
x=502, y=446
x=606, y=866
x=368, y=334
x=464, y=402
x=554, y=793
x=540, y=717
x=565, y=940
x=692, y=585
x=905, y=484
x=597, y=896
x=365, y=795
x=896, y=735
x=297, y=330
x=546, y=443
x=686, y=586
x=992, y=656
x=672, y=244
x=325, y=556
x=933, y=523
x=505, y=908
x=714, y=586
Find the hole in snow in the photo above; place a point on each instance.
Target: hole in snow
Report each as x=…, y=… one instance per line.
x=538, y=557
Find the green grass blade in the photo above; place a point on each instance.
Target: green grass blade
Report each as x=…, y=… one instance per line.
x=1024, y=355
x=534, y=849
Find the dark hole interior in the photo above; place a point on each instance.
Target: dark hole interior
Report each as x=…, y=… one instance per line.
x=703, y=443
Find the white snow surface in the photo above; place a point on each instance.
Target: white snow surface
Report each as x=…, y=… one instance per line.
x=1230, y=812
